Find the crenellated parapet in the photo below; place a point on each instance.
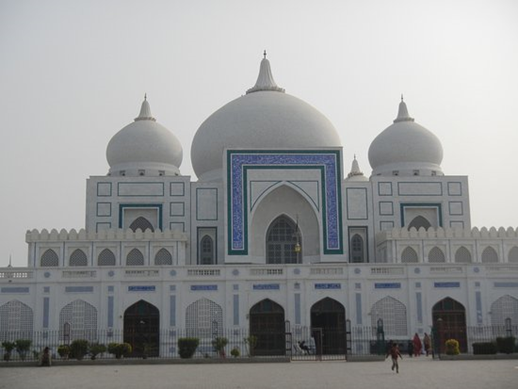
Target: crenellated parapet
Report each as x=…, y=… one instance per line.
x=104, y=235
x=449, y=233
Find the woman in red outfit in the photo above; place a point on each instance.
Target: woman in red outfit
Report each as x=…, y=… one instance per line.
x=417, y=345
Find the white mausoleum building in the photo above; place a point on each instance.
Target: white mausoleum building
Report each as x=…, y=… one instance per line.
x=273, y=231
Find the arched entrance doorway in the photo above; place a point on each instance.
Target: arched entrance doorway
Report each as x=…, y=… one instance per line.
x=267, y=325
x=449, y=318
x=328, y=326
x=141, y=329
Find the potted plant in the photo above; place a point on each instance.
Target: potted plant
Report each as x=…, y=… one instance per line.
x=78, y=349
x=8, y=349
x=219, y=344
x=22, y=347
x=235, y=352
x=452, y=347
x=187, y=347
x=64, y=351
x=251, y=342
x=95, y=349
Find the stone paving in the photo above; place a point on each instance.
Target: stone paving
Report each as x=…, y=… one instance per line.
x=414, y=373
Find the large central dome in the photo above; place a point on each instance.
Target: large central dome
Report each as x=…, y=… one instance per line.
x=264, y=118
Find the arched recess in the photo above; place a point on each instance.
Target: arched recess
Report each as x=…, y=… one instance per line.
x=513, y=255
x=204, y=319
x=78, y=320
x=267, y=325
x=281, y=242
x=436, y=256
x=106, y=258
x=409, y=255
x=16, y=321
x=142, y=329
x=394, y=316
x=462, y=255
x=163, y=258
x=489, y=255
x=285, y=200
x=49, y=259
x=449, y=318
x=135, y=258
x=78, y=258
x=206, y=250
x=506, y=307
x=328, y=326
x=418, y=222
x=141, y=223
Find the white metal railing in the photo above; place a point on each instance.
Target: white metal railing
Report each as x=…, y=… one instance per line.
x=78, y=273
x=326, y=270
x=387, y=271
x=267, y=272
x=16, y=274
x=141, y=273
x=203, y=272
x=446, y=270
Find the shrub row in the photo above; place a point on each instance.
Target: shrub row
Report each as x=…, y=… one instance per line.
x=505, y=345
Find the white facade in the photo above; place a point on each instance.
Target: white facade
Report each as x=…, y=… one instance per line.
x=399, y=242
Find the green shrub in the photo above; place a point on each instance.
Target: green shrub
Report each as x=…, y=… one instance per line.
x=219, y=344
x=235, y=352
x=484, y=348
x=22, y=347
x=8, y=349
x=251, y=342
x=64, y=350
x=452, y=347
x=95, y=349
x=505, y=344
x=119, y=349
x=78, y=349
x=187, y=347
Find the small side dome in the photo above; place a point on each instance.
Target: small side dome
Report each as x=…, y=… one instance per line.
x=265, y=118
x=356, y=174
x=144, y=148
x=405, y=148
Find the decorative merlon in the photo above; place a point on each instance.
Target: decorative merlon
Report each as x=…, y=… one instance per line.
x=113, y=234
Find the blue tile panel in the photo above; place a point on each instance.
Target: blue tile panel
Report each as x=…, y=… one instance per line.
x=110, y=311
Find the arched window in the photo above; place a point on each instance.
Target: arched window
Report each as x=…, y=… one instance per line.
x=135, y=258
x=357, y=249
x=513, y=255
x=418, y=222
x=206, y=251
x=409, y=256
x=506, y=307
x=436, y=255
x=463, y=255
x=142, y=223
x=163, y=257
x=393, y=314
x=16, y=321
x=281, y=241
x=78, y=258
x=106, y=258
x=489, y=255
x=81, y=318
x=204, y=319
x=49, y=258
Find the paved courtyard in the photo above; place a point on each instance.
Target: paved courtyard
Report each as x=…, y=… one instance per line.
x=414, y=373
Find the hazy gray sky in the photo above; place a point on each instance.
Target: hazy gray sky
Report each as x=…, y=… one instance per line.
x=73, y=73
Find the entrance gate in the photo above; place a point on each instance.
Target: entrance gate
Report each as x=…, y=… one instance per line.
x=328, y=327
x=141, y=329
x=267, y=325
x=449, y=318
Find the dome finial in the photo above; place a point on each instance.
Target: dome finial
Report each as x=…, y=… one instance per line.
x=355, y=169
x=145, y=111
x=265, y=81
x=402, y=115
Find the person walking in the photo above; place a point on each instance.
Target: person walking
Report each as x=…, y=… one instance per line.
x=427, y=341
x=394, y=354
x=417, y=345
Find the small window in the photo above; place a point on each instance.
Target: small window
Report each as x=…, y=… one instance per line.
x=123, y=172
x=395, y=172
x=161, y=172
x=434, y=173
x=416, y=172
x=141, y=172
